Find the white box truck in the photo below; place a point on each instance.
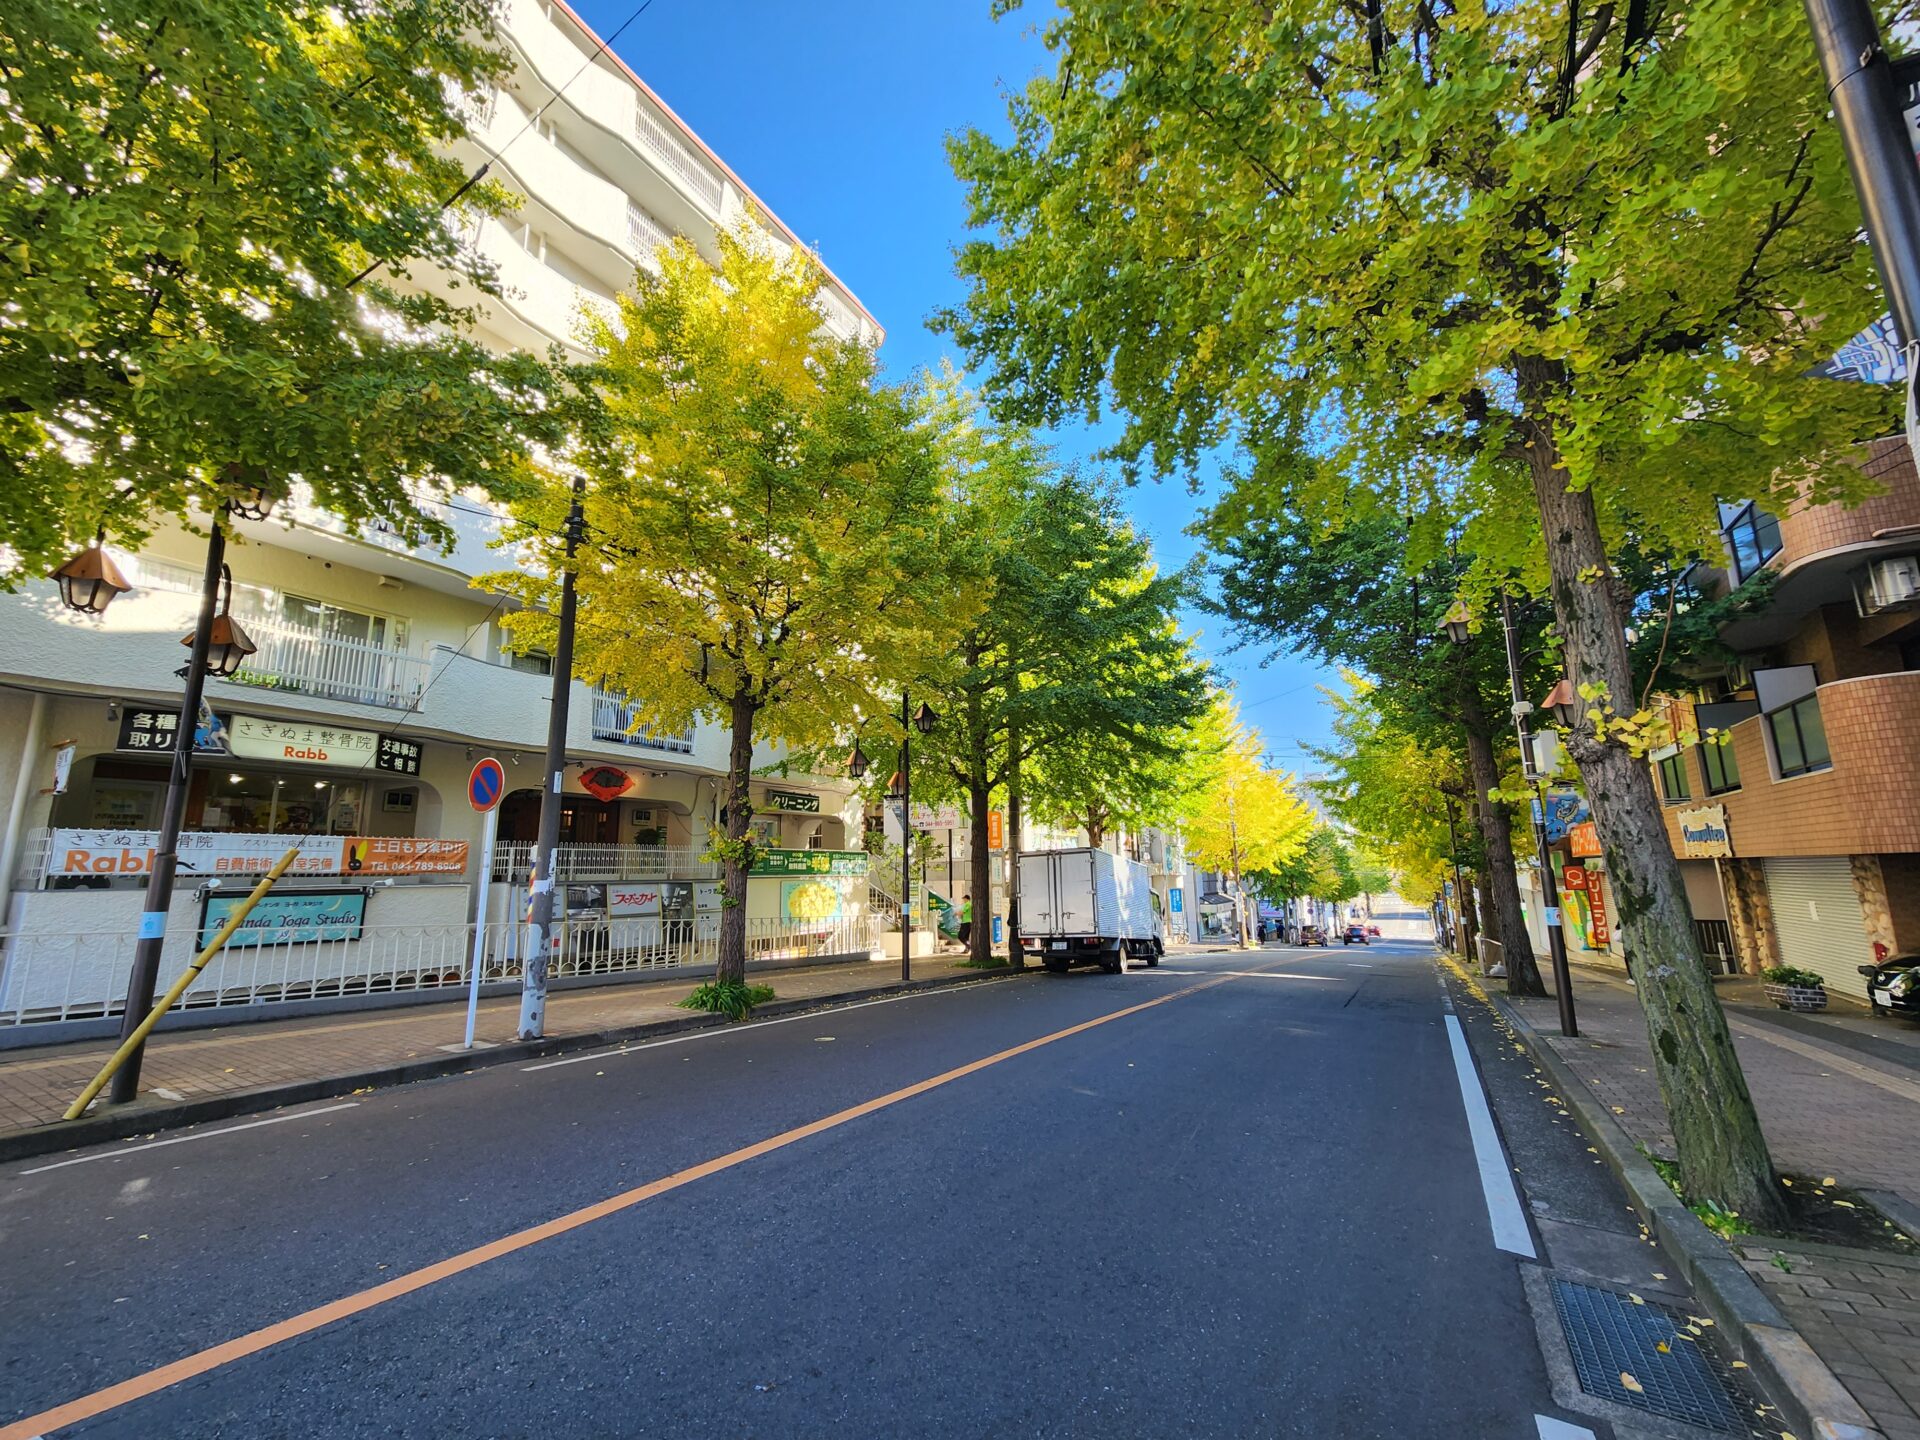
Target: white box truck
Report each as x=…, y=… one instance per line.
x=1088, y=905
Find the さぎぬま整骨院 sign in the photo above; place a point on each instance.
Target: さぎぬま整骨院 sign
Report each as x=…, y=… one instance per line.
x=251, y=737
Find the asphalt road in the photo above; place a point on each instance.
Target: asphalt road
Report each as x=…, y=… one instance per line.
x=1253, y=1209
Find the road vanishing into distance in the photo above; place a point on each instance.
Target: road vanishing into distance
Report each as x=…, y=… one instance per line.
x=1243, y=1194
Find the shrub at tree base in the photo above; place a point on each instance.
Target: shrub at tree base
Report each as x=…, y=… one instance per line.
x=731, y=998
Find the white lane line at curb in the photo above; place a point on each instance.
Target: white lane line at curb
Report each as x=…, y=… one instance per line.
x=1552, y=1429
x=183, y=1139
x=1496, y=1179
x=818, y=1016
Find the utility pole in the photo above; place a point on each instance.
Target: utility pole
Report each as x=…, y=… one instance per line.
x=539, y=947
x=1864, y=91
x=153, y=914
x=1550, y=891
x=906, y=841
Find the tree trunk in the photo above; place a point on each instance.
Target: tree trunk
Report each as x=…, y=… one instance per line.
x=1096, y=826
x=1722, y=1152
x=1496, y=833
x=1469, y=919
x=979, y=859
x=1016, y=952
x=732, y=966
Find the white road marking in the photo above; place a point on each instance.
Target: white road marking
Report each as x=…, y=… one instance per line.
x=1254, y=974
x=1552, y=1429
x=733, y=1030
x=1496, y=1179
x=199, y=1135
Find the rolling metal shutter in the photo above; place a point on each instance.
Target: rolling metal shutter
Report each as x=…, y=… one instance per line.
x=1817, y=919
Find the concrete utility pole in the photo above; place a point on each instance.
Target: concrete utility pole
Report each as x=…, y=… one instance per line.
x=539, y=947
x=1866, y=98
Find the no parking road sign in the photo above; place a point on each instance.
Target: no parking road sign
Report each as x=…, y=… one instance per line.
x=486, y=784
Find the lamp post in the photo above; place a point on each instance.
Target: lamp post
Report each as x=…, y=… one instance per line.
x=218, y=646
x=1549, y=890
x=900, y=788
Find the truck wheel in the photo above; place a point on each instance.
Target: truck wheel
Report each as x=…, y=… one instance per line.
x=1153, y=954
x=1056, y=964
x=1110, y=961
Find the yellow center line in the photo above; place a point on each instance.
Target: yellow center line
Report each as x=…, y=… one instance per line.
x=202, y=1362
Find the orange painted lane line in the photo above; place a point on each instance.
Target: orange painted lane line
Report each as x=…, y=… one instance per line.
x=203, y=1362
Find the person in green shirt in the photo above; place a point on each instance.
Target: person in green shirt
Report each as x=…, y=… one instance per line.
x=966, y=919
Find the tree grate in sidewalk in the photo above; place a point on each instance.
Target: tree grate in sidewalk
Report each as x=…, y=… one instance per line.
x=1614, y=1340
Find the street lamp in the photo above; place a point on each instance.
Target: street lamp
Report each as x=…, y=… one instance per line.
x=924, y=719
x=900, y=788
x=89, y=581
x=1561, y=703
x=228, y=644
x=857, y=762
x=1456, y=621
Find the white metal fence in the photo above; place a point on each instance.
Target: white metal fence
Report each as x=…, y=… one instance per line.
x=77, y=977
x=613, y=720
x=333, y=667
x=608, y=862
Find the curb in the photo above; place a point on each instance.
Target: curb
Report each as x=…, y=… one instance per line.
x=146, y=1118
x=1815, y=1401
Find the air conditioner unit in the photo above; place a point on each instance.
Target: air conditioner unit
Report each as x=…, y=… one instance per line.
x=1890, y=584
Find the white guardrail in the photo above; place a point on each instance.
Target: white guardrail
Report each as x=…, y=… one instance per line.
x=46, y=977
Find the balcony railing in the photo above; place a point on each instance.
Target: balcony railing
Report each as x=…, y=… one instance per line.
x=331, y=667
x=613, y=720
x=675, y=156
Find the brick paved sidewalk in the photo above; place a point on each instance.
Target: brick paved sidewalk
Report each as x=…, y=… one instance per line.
x=37, y=1084
x=1828, y=1108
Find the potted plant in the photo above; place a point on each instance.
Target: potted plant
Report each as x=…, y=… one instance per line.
x=1792, y=988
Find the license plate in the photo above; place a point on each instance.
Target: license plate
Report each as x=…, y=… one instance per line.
x=1885, y=997
x=1058, y=945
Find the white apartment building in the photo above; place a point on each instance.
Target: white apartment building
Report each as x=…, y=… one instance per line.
x=380, y=673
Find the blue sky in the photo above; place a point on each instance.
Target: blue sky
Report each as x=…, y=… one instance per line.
x=835, y=115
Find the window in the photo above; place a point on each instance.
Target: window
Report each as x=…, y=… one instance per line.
x=1673, y=777
x=1752, y=536
x=1723, y=771
x=533, y=662
x=336, y=622
x=1799, y=738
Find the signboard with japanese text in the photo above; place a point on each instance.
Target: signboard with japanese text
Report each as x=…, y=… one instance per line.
x=130, y=852
x=1598, y=925
x=628, y=900
x=152, y=731
x=403, y=855
x=809, y=862
x=793, y=801
x=936, y=817
x=1583, y=841
x=254, y=738
x=287, y=918
x=397, y=757
x=996, y=830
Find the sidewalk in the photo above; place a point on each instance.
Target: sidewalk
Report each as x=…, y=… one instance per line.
x=1835, y=1096
x=37, y=1084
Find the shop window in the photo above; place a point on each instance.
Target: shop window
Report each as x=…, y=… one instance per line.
x=1752, y=536
x=1673, y=777
x=1723, y=770
x=1799, y=738
x=259, y=803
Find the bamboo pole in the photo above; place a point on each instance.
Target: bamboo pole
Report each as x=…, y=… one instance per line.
x=179, y=987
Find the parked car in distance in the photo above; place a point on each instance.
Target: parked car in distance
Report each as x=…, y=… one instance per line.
x=1312, y=935
x=1354, y=935
x=1893, y=986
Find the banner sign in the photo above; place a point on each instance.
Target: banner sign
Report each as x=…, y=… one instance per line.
x=627, y=901
x=936, y=817
x=1597, y=924
x=996, y=830
x=1564, y=810
x=793, y=801
x=809, y=862
x=1583, y=841
x=153, y=732
x=1873, y=357
x=1704, y=834
x=130, y=852
x=292, y=918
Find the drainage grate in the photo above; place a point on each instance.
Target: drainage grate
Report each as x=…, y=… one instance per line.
x=1610, y=1336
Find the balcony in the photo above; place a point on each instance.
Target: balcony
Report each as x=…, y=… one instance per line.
x=330, y=667
x=1822, y=547
x=613, y=720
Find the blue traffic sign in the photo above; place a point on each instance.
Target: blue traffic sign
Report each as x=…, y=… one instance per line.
x=486, y=784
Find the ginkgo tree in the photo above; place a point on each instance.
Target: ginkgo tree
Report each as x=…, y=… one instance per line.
x=770, y=540
x=1557, y=271
x=196, y=194
x=1245, y=816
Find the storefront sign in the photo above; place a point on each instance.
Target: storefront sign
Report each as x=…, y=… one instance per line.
x=1574, y=877
x=996, y=830
x=62, y=767
x=809, y=900
x=604, y=782
x=397, y=757
x=1177, y=900
x=1583, y=841
x=793, y=801
x=1704, y=833
x=398, y=855
x=1597, y=923
x=707, y=895
x=294, y=918
x=809, y=862
x=153, y=731
x=627, y=901
x=130, y=852
x=254, y=738
x=936, y=817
